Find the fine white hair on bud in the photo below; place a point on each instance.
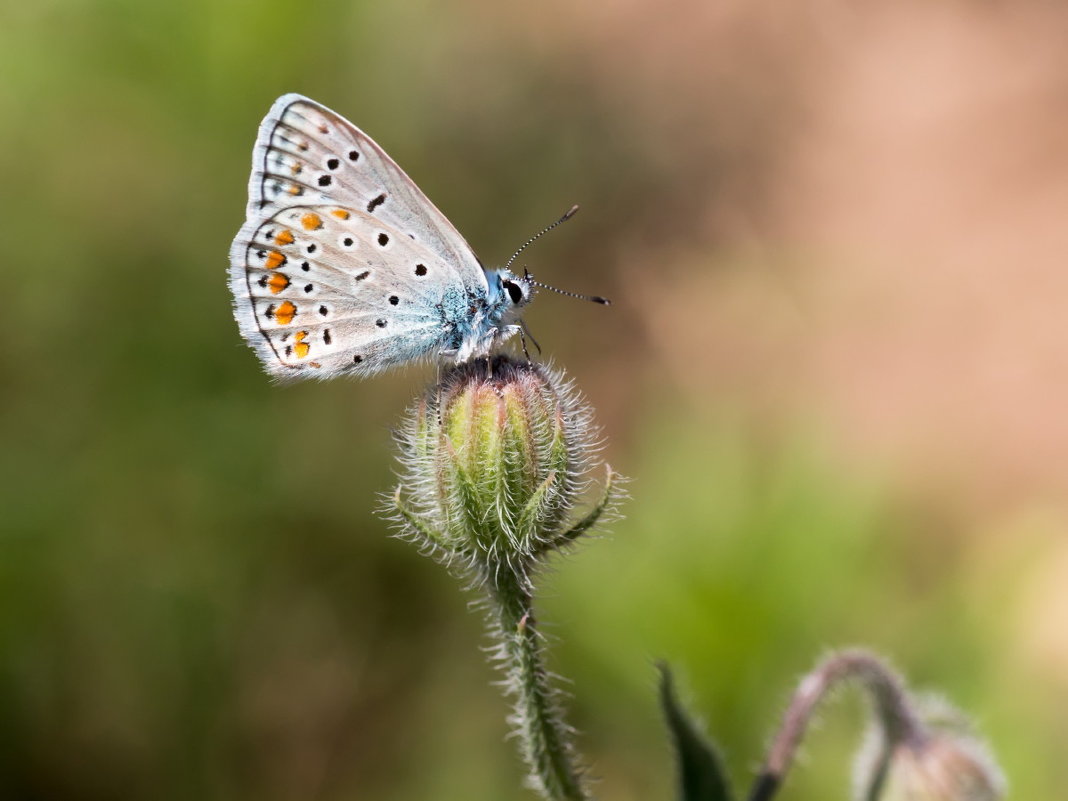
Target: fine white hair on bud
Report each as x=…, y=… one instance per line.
x=496, y=461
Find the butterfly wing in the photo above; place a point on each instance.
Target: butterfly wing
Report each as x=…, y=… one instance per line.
x=343, y=264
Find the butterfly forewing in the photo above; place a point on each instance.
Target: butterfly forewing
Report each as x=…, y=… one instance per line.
x=343, y=265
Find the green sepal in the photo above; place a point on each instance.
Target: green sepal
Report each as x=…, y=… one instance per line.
x=608, y=497
x=701, y=776
x=528, y=523
x=428, y=532
x=471, y=524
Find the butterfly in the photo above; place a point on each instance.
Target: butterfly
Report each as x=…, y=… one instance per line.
x=343, y=265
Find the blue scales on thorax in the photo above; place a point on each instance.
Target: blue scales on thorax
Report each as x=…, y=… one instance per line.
x=463, y=316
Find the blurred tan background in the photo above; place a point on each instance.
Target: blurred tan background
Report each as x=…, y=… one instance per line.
x=836, y=370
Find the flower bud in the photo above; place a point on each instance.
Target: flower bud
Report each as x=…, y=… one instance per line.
x=495, y=458
x=939, y=763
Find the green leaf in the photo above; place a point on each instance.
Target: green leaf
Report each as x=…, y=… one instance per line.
x=701, y=773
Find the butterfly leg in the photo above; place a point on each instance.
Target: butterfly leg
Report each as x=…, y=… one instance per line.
x=523, y=340
x=525, y=333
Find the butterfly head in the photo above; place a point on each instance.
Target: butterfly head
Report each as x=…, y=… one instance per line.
x=514, y=291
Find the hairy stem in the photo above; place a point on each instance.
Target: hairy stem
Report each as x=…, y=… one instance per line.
x=892, y=710
x=538, y=718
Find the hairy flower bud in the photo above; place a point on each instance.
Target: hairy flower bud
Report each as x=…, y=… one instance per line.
x=942, y=761
x=495, y=458
x=915, y=751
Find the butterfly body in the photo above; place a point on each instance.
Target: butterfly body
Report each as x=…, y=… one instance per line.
x=343, y=266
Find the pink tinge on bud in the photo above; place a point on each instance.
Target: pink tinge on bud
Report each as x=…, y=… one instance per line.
x=940, y=760
x=945, y=767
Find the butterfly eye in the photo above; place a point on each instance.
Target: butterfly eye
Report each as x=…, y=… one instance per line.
x=515, y=292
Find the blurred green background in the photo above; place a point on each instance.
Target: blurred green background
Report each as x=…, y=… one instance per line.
x=836, y=371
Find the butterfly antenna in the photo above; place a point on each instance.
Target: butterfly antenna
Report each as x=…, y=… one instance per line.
x=570, y=213
x=592, y=298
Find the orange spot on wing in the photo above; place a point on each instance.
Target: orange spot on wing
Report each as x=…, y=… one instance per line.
x=341, y=214
x=296, y=168
x=295, y=190
x=275, y=260
x=311, y=221
x=277, y=282
x=285, y=313
x=284, y=238
x=300, y=346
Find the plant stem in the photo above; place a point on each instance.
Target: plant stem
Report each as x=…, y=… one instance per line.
x=892, y=710
x=544, y=737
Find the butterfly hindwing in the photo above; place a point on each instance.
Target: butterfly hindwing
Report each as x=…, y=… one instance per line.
x=343, y=265
x=366, y=296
